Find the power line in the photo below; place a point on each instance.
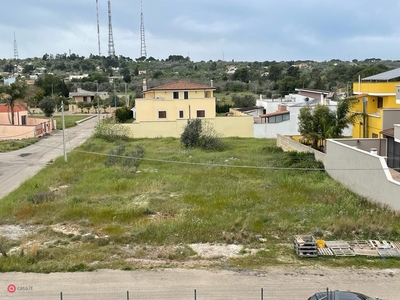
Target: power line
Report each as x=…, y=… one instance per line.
x=217, y=165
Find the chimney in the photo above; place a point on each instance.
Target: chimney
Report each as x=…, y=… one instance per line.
x=212, y=83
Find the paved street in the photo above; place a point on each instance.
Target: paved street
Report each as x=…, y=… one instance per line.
x=17, y=166
x=277, y=283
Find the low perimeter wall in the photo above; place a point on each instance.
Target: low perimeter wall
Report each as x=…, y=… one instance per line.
x=225, y=126
x=362, y=172
x=289, y=144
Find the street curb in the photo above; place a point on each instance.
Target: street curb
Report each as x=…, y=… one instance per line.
x=86, y=119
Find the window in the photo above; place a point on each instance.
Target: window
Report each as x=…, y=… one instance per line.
x=201, y=113
x=279, y=118
x=181, y=114
x=175, y=95
x=380, y=102
x=23, y=120
x=186, y=95
x=162, y=114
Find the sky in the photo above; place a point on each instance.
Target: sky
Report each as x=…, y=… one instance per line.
x=239, y=30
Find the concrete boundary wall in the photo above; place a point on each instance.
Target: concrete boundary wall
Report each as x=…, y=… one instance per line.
x=224, y=126
x=362, y=172
x=288, y=144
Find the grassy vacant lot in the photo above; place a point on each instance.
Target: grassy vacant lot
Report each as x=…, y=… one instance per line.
x=69, y=119
x=244, y=195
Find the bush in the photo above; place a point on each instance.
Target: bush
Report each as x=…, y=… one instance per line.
x=110, y=130
x=128, y=161
x=243, y=100
x=191, y=134
x=122, y=114
x=200, y=134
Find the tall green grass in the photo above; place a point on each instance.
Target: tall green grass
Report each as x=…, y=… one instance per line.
x=183, y=196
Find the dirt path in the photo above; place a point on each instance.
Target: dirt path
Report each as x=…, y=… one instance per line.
x=277, y=283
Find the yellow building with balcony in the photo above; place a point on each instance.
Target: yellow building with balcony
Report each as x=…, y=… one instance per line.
x=379, y=100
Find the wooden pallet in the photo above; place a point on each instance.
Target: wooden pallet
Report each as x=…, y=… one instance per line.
x=340, y=248
x=325, y=252
x=363, y=248
x=305, y=246
x=391, y=252
x=395, y=245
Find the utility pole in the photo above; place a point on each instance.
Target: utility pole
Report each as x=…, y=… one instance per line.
x=126, y=97
x=63, y=125
x=98, y=100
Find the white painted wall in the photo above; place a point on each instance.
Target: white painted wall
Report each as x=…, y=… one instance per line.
x=362, y=172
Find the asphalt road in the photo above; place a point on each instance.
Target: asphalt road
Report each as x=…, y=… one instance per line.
x=277, y=283
x=18, y=166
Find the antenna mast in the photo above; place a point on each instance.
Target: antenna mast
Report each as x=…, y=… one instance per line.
x=142, y=40
x=98, y=26
x=16, y=56
x=111, y=49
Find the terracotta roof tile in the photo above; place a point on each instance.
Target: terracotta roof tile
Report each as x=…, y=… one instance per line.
x=182, y=85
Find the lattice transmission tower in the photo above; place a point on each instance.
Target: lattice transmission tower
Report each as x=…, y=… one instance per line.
x=16, y=56
x=143, y=52
x=98, y=26
x=111, y=48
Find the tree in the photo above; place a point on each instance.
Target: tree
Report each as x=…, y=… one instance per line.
x=81, y=105
x=319, y=123
x=52, y=85
x=243, y=100
x=13, y=93
x=241, y=74
x=48, y=106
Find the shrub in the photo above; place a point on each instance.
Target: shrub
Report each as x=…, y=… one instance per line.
x=243, y=100
x=191, y=134
x=122, y=114
x=128, y=161
x=201, y=134
x=111, y=131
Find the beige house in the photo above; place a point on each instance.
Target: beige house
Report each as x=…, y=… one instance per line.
x=164, y=111
x=82, y=95
x=24, y=126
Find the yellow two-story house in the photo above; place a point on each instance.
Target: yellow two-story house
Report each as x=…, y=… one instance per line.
x=164, y=111
x=176, y=101
x=378, y=98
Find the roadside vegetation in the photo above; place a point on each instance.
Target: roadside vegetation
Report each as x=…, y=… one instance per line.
x=11, y=145
x=91, y=213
